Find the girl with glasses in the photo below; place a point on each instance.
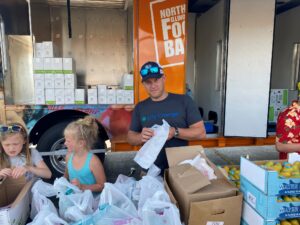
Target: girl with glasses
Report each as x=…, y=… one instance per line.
x=84, y=169
x=16, y=158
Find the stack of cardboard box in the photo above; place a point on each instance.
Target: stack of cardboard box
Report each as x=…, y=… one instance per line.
x=201, y=201
x=261, y=189
x=278, y=102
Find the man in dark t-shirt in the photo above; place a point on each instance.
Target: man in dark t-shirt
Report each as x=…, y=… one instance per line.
x=178, y=110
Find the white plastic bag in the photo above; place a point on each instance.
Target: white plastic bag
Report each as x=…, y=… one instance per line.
x=64, y=203
x=47, y=217
x=83, y=201
x=39, y=203
x=73, y=214
x=146, y=156
x=200, y=163
x=44, y=189
x=112, y=215
x=160, y=213
x=148, y=187
x=154, y=171
x=112, y=196
x=62, y=185
x=126, y=185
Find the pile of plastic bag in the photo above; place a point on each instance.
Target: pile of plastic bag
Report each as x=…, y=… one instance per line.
x=126, y=202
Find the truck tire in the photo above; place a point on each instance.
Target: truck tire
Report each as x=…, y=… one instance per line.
x=52, y=140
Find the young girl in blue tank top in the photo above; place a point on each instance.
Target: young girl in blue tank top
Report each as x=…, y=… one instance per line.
x=84, y=169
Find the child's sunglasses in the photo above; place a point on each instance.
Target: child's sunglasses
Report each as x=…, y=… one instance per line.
x=12, y=128
x=152, y=70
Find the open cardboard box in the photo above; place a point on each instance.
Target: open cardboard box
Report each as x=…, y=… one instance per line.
x=14, y=201
x=201, y=201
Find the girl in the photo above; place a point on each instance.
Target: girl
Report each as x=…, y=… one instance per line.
x=16, y=158
x=83, y=169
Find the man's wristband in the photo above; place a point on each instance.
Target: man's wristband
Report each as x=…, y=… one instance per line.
x=176, y=134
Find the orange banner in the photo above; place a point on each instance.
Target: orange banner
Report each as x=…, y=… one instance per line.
x=160, y=35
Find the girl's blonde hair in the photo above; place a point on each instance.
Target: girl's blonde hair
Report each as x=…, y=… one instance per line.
x=84, y=129
x=4, y=159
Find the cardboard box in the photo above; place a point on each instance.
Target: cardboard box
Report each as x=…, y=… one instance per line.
x=111, y=96
x=128, y=97
x=39, y=96
x=70, y=81
x=59, y=80
x=201, y=201
x=251, y=217
x=39, y=50
x=50, y=96
x=57, y=65
x=127, y=82
x=39, y=80
x=48, y=65
x=14, y=201
x=279, y=97
x=59, y=96
x=92, y=96
x=79, y=96
x=102, y=93
x=69, y=96
x=38, y=65
x=47, y=49
x=68, y=65
x=120, y=96
x=268, y=181
x=268, y=206
x=49, y=80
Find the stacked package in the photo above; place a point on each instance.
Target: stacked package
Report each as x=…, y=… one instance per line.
x=271, y=192
x=54, y=78
x=278, y=102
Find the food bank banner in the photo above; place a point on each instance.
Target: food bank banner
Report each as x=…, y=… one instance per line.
x=168, y=25
x=160, y=35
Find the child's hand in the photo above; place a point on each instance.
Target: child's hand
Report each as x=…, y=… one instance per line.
x=19, y=171
x=6, y=172
x=76, y=183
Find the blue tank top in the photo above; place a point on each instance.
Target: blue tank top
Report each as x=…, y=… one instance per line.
x=84, y=175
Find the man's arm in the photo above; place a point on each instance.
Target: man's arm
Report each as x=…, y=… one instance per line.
x=291, y=147
x=195, y=131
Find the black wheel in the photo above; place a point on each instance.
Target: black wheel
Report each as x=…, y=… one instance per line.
x=53, y=140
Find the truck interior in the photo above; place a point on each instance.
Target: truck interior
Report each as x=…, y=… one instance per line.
x=208, y=56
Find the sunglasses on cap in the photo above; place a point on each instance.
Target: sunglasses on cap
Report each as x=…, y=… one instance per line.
x=152, y=70
x=12, y=128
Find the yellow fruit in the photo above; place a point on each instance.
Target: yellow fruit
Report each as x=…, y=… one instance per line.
x=284, y=222
x=287, y=199
x=294, y=222
x=285, y=174
x=269, y=164
x=295, y=199
x=226, y=168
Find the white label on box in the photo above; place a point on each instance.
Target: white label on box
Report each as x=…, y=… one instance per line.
x=250, y=216
x=215, y=223
x=251, y=199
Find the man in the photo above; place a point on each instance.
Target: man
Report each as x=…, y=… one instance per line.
x=178, y=110
x=288, y=130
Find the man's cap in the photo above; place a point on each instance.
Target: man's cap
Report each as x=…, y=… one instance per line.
x=151, y=70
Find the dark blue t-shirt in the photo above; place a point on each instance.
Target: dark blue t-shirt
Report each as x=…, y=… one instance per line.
x=178, y=110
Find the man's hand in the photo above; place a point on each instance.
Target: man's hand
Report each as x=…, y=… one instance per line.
x=5, y=173
x=19, y=171
x=146, y=134
x=171, y=133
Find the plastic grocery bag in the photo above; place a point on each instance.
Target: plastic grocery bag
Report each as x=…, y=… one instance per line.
x=146, y=156
x=44, y=189
x=148, y=187
x=112, y=215
x=62, y=185
x=160, y=213
x=64, y=203
x=154, y=171
x=200, y=163
x=74, y=214
x=47, y=217
x=125, y=184
x=83, y=201
x=39, y=203
x=113, y=196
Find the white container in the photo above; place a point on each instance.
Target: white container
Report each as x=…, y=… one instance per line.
x=38, y=65
x=69, y=96
x=59, y=80
x=111, y=96
x=39, y=96
x=57, y=65
x=39, y=50
x=50, y=96
x=79, y=96
x=48, y=49
x=127, y=82
x=128, y=97
x=70, y=81
x=49, y=80
x=92, y=96
x=39, y=81
x=59, y=96
x=48, y=65
x=120, y=96
x=68, y=65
